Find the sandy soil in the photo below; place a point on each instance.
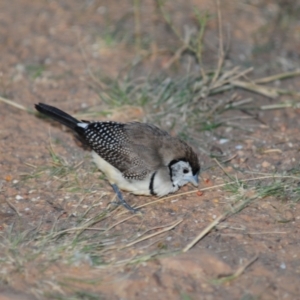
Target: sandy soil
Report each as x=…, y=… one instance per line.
x=56, y=52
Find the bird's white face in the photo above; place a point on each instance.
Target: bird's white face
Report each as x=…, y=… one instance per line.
x=181, y=174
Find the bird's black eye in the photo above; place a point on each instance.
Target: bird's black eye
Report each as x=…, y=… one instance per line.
x=185, y=171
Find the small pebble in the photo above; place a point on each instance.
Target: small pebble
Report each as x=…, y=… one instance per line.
x=265, y=164
x=283, y=266
x=223, y=141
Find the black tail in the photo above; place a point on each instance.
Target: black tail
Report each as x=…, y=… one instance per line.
x=57, y=115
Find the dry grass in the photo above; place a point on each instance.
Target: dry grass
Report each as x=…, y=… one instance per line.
x=95, y=240
x=94, y=237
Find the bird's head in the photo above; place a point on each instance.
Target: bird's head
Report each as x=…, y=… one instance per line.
x=182, y=172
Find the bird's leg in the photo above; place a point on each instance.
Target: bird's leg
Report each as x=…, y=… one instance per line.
x=122, y=200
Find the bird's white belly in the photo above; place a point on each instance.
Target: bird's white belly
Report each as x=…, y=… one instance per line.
x=114, y=176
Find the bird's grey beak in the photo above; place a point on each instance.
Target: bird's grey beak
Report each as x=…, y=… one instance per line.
x=195, y=180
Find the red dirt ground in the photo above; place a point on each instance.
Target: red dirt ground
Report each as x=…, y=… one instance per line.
x=48, y=51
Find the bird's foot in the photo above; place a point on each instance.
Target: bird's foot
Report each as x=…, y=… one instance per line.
x=122, y=200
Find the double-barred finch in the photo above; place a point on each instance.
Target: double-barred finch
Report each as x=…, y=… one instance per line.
x=135, y=157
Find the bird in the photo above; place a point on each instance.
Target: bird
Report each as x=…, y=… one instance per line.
x=136, y=157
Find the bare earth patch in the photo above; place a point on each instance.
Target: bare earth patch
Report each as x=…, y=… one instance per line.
x=61, y=237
